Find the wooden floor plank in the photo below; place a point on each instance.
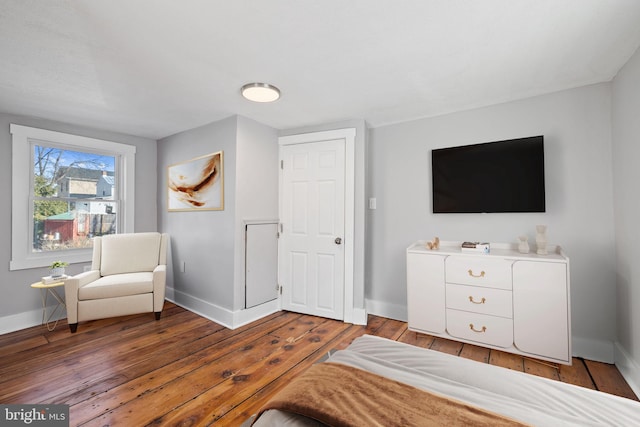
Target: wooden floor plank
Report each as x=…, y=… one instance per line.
x=474, y=352
x=29, y=343
x=85, y=362
x=417, y=339
x=250, y=406
x=210, y=406
x=447, y=346
x=187, y=370
x=347, y=337
x=506, y=360
x=211, y=349
x=576, y=373
x=219, y=375
x=608, y=379
x=541, y=368
x=391, y=329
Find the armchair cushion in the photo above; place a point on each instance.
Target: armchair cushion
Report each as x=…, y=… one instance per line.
x=129, y=253
x=119, y=285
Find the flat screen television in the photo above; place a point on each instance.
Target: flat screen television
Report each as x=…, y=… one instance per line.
x=501, y=176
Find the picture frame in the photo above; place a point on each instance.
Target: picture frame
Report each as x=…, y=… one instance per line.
x=196, y=184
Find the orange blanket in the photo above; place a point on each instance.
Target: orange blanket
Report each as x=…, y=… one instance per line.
x=339, y=395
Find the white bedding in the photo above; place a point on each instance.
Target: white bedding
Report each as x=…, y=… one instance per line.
x=528, y=398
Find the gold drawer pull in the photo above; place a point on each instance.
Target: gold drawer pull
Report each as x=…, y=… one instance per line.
x=476, y=275
x=484, y=329
x=482, y=301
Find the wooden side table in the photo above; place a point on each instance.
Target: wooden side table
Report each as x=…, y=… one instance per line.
x=47, y=289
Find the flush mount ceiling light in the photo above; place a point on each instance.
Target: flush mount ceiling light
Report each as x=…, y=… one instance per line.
x=260, y=92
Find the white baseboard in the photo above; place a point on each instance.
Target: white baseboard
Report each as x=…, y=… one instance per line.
x=248, y=315
x=359, y=316
x=227, y=318
x=386, y=309
x=205, y=309
x=27, y=319
x=596, y=350
x=222, y=316
x=628, y=367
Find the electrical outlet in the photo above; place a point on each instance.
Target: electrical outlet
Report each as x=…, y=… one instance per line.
x=372, y=202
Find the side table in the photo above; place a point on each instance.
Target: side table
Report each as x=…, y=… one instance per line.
x=47, y=289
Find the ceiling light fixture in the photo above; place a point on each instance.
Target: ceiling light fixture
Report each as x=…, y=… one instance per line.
x=260, y=92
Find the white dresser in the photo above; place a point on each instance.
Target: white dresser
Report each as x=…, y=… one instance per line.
x=506, y=300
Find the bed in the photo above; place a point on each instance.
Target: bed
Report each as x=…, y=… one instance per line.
x=515, y=398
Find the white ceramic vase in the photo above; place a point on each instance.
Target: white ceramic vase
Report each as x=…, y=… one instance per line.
x=523, y=246
x=541, y=239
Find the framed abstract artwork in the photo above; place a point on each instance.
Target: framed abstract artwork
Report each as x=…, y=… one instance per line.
x=196, y=184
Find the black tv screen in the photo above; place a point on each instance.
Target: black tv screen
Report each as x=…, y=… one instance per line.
x=502, y=176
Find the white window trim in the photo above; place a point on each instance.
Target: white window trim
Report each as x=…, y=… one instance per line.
x=22, y=137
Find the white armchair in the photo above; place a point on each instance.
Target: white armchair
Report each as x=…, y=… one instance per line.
x=127, y=276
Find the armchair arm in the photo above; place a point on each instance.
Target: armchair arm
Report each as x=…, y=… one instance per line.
x=71, y=286
x=159, y=283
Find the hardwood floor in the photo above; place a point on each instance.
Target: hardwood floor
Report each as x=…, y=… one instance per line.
x=186, y=370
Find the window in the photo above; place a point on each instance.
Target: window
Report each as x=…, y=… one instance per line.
x=72, y=192
x=67, y=189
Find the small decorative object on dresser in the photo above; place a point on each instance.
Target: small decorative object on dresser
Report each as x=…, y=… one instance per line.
x=523, y=246
x=435, y=244
x=483, y=248
x=541, y=239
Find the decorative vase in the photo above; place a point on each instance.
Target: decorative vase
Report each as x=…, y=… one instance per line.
x=541, y=239
x=523, y=246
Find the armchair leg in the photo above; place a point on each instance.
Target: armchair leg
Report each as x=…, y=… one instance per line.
x=157, y=313
x=73, y=327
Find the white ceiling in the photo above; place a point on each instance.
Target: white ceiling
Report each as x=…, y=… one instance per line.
x=157, y=67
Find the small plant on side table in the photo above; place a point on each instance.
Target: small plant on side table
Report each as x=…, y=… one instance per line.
x=57, y=268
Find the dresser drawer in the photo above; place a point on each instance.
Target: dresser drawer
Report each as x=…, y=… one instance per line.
x=479, y=271
x=482, y=328
x=496, y=302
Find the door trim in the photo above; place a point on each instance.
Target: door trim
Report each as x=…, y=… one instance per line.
x=349, y=136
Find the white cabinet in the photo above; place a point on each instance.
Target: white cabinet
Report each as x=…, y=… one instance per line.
x=426, y=292
x=506, y=300
x=541, y=309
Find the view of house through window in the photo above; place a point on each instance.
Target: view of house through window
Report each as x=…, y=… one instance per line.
x=74, y=198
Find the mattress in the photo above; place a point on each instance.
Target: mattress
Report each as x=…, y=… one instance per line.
x=523, y=397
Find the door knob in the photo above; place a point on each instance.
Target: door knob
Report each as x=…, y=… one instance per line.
x=338, y=240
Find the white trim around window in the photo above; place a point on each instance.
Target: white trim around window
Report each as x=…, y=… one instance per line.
x=22, y=168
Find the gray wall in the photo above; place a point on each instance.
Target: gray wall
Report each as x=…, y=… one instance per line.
x=203, y=240
x=21, y=300
x=626, y=173
x=211, y=243
x=256, y=188
x=576, y=125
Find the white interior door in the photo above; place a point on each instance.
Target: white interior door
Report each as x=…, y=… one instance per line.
x=312, y=261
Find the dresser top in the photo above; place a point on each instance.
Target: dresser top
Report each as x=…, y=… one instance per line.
x=502, y=250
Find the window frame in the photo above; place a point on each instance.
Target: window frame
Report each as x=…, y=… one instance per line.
x=23, y=140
